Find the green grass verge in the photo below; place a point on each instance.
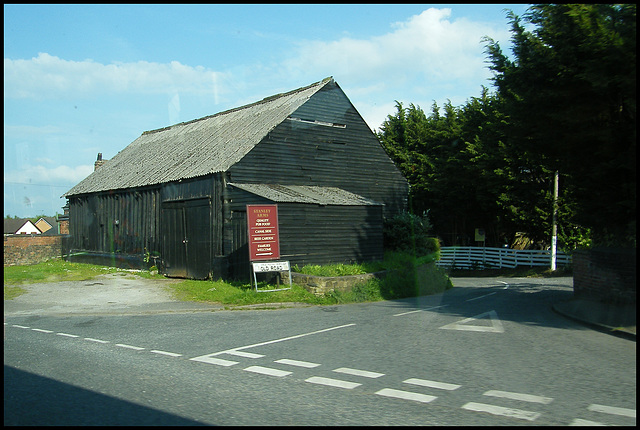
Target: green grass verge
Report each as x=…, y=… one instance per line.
x=55, y=270
x=406, y=276
x=240, y=294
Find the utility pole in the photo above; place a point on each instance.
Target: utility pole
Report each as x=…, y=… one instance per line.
x=554, y=228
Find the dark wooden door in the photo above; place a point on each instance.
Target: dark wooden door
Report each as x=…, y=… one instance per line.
x=187, y=238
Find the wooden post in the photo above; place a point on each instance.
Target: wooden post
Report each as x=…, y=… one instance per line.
x=554, y=228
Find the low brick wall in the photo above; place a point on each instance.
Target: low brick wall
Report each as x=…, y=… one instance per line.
x=24, y=249
x=319, y=285
x=605, y=274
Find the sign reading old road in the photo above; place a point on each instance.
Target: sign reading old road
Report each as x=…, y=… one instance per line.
x=264, y=242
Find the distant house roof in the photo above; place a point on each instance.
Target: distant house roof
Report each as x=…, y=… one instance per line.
x=306, y=194
x=11, y=225
x=195, y=148
x=45, y=224
x=19, y=225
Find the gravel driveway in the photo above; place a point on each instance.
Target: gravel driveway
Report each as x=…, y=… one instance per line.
x=116, y=293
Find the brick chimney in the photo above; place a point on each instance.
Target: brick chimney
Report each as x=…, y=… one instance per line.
x=99, y=162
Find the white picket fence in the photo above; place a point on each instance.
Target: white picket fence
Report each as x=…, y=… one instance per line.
x=469, y=257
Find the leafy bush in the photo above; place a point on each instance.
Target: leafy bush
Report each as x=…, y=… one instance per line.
x=408, y=232
x=411, y=276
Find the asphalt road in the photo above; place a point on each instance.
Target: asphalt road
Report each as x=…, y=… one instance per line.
x=487, y=352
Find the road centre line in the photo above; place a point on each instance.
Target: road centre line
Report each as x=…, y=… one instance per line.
x=90, y=339
x=432, y=384
x=420, y=310
x=499, y=410
x=20, y=326
x=172, y=354
x=476, y=298
x=357, y=372
x=234, y=351
x=406, y=313
x=613, y=410
x=489, y=294
x=290, y=337
x=406, y=395
x=124, y=345
x=519, y=396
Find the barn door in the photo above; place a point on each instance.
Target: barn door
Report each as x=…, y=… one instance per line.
x=187, y=238
x=197, y=216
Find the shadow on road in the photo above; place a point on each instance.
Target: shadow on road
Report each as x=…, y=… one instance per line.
x=31, y=400
x=523, y=301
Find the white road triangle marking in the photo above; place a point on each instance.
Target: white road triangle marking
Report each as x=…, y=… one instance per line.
x=496, y=325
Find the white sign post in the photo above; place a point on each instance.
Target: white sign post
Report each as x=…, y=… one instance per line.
x=271, y=266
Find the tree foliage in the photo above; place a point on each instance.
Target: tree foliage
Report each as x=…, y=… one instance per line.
x=566, y=103
x=570, y=94
x=407, y=232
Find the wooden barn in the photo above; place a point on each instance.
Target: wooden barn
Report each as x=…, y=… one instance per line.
x=177, y=196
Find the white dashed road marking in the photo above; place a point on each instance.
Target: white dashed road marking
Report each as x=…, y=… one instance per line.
x=420, y=310
x=432, y=384
x=297, y=363
x=496, y=324
x=499, y=410
x=332, y=382
x=267, y=371
x=581, y=422
x=386, y=392
x=124, y=345
x=244, y=354
x=519, y=396
x=213, y=360
x=90, y=339
x=406, y=395
x=357, y=372
x=613, y=410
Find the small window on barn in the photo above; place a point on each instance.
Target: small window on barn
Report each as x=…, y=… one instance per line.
x=316, y=122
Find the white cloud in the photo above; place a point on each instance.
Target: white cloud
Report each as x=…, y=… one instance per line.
x=20, y=131
x=375, y=115
x=428, y=45
x=41, y=175
x=428, y=57
x=47, y=76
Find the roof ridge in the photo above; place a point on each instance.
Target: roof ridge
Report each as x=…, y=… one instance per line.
x=228, y=111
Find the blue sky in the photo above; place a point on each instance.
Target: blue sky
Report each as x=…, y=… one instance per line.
x=84, y=79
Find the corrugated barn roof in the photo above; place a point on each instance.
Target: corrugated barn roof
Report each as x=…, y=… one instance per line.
x=306, y=194
x=196, y=148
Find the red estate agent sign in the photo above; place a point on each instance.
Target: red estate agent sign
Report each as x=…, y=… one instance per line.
x=264, y=242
